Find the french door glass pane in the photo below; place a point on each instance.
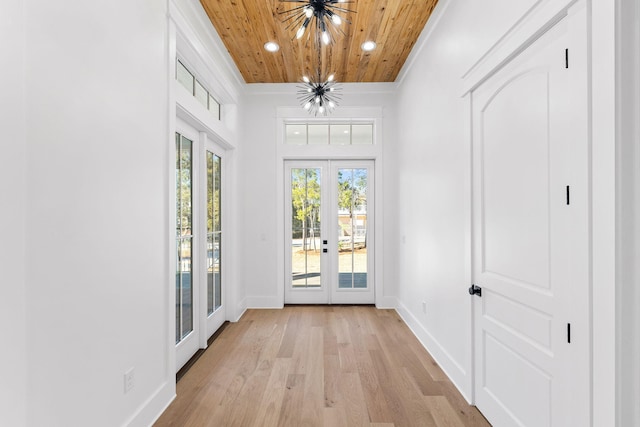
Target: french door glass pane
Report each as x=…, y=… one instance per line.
x=184, y=238
x=305, y=223
x=214, y=232
x=352, y=228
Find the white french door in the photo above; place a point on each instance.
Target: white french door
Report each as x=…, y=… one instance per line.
x=531, y=235
x=187, y=263
x=199, y=194
x=212, y=240
x=329, y=239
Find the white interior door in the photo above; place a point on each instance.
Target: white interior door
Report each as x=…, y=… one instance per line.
x=530, y=235
x=329, y=237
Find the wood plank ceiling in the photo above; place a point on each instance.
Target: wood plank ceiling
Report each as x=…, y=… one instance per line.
x=246, y=25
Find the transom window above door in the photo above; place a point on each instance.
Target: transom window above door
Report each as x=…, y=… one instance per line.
x=329, y=133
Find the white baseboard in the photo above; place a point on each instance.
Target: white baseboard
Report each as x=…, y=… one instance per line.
x=456, y=373
x=151, y=410
x=386, y=303
x=264, y=302
x=240, y=310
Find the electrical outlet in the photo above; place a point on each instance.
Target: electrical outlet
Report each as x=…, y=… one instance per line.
x=424, y=307
x=129, y=380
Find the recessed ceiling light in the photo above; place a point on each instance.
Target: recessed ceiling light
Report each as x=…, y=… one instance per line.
x=368, y=46
x=271, y=46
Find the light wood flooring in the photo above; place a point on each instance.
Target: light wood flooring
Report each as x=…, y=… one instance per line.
x=318, y=366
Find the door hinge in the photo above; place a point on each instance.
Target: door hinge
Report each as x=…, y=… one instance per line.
x=569, y=333
x=566, y=58
x=475, y=290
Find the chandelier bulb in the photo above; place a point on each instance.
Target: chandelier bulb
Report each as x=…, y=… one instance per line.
x=336, y=19
x=307, y=105
x=317, y=100
x=325, y=37
x=332, y=104
x=303, y=28
x=321, y=109
x=306, y=79
x=308, y=11
x=330, y=78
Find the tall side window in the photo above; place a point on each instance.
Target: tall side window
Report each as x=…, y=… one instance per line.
x=184, y=237
x=214, y=232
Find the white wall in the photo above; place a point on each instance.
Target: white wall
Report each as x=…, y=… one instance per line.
x=13, y=329
x=628, y=167
x=433, y=175
x=258, y=183
x=97, y=229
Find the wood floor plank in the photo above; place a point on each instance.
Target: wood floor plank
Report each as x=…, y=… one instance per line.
x=335, y=417
x=291, y=411
x=270, y=405
x=314, y=401
x=372, y=390
x=331, y=375
x=318, y=366
x=353, y=401
x=442, y=412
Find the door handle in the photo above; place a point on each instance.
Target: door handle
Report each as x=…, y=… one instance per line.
x=475, y=290
x=325, y=250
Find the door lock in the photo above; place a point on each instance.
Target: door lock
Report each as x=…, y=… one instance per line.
x=475, y=290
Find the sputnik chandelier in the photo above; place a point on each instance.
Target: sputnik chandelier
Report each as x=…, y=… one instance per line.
x=324, y=13
x=320, y=96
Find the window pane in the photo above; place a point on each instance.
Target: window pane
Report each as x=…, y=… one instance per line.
x=210, y=278
x=183, y=190
x=362, y=134
x=214, y=107
x=319, y=134
x=352, y=230
x=184, y=77
x=214, y=233
x=217, y=271
x=202, y=95
x=217, y=193
x=184, y=238
x=296, y=134
x=186, y=294
x=305, y=232
x=340, y=134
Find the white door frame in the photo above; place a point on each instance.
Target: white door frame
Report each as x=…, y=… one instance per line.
x=357, y=152
x=188, y=346
x=329, y=291
x=204, y=325
x=536, y=22
x=218, y=317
